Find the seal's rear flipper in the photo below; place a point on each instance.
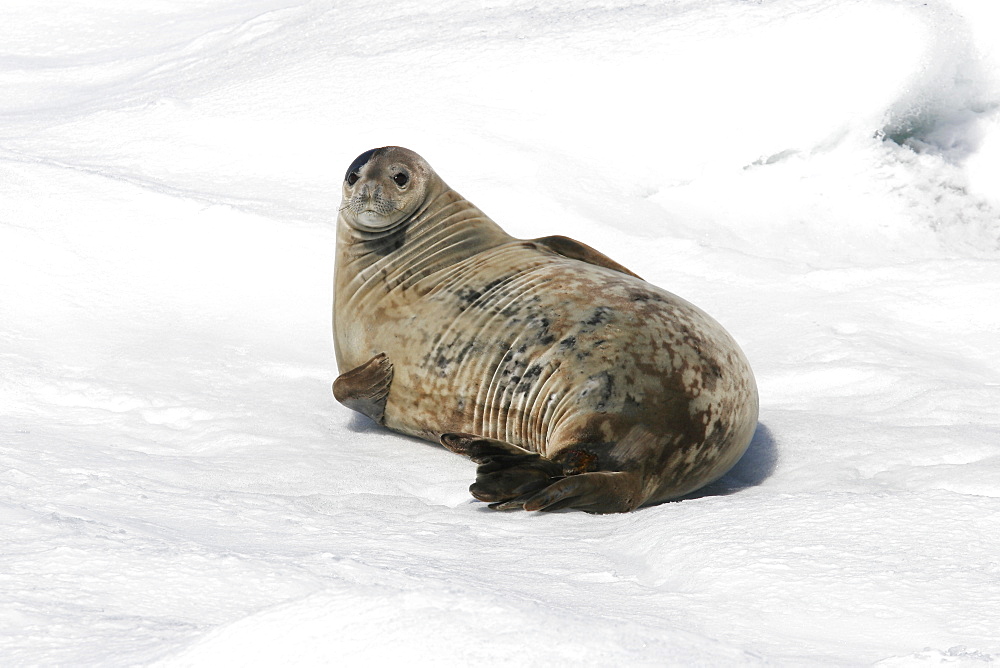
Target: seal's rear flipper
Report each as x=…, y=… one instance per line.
x=477, y=448
x=598, y=492
x=366, y=388
x=577, y=250
x=505, y=471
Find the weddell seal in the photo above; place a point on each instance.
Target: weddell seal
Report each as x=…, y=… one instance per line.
x=572, y=382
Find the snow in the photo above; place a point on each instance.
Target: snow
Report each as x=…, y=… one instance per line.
x=177, y=485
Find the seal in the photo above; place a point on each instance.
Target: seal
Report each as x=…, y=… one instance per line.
x=569, y=380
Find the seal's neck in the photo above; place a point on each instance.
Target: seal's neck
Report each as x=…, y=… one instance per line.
x=445, y=230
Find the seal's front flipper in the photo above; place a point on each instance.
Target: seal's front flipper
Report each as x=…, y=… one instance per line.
x=597, y=492
x=365, y=388
x=577, y=250
x=505, y=471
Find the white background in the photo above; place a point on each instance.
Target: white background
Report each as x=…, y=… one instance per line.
x=178, y=485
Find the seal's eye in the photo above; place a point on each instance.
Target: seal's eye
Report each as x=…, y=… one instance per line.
x=352, y=178
x=401, y=179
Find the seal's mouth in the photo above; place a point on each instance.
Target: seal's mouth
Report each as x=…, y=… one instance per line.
x=373, y=213
x=376, y=203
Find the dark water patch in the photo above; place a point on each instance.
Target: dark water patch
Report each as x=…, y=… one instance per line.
x=361, y=161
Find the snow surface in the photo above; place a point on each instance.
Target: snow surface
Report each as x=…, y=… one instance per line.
x=177, y=485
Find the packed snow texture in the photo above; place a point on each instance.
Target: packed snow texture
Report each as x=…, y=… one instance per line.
x=177, y=484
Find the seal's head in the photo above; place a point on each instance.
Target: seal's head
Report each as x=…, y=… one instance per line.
x=383, y=187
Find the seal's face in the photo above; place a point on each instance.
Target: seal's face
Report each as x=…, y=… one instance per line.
x=383, y=187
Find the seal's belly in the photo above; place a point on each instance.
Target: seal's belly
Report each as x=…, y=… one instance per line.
x=542, y=351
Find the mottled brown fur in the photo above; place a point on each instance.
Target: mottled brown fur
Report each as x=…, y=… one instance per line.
x=541, y=346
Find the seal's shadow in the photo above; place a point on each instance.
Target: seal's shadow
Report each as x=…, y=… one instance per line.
x=755, y=466
x=362, y=424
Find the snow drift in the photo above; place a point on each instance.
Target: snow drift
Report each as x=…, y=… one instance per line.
x=177, y=484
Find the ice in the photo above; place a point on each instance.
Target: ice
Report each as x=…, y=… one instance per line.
x=178, y=486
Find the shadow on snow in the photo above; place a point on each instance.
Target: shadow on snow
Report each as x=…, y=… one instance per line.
x=755, y=466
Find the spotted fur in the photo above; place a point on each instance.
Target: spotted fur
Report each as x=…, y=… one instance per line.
x=593, y=369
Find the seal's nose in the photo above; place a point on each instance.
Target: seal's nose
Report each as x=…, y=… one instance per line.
x=370, y=191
